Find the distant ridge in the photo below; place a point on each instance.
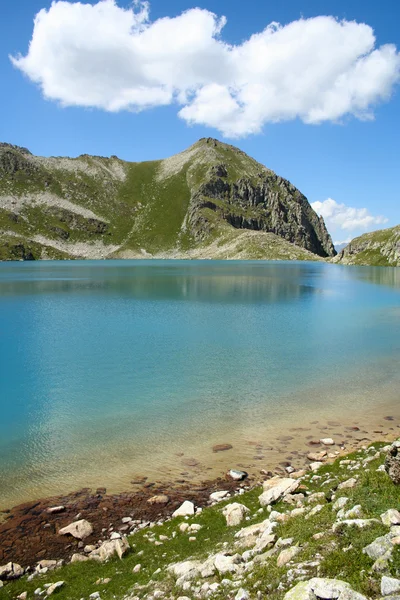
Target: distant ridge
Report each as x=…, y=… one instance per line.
x=379, y=248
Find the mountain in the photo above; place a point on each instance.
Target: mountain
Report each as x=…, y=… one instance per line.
x=379, y=248
x=210, y=201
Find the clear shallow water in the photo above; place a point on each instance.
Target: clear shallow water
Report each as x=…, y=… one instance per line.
x=110, y=369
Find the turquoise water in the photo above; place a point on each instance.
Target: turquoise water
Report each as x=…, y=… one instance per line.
x=109, y=369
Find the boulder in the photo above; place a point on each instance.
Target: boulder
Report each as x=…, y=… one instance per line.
x=287, y=555
x=11, y=571
x=340, y=503
x=323, y=589
x=253, y=530
x=186, y=570
x=359, y=523
x=217, y=496
x=54, y=587
x=48, y=565
x=389, y=585
x=79, y=529
x=276, y=488
x=111, y=547
x=79, y=558
x=348, y=484
x=225, y=563
x=392, y=463
x=266, y=540
x=379, y=547
x=391, y=517
x=234, y=513
x=186, y=509
x=242, y=595
x=314, y=466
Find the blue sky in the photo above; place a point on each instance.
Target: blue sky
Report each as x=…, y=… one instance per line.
x=351, y=161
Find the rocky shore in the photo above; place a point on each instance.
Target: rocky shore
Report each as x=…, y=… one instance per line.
x=328, y=532
x=41, y=535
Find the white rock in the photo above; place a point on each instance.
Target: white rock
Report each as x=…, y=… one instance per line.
x=287, y=555
x=391, y=517
x=237, y=475
x=188, y=569
x=328, y=589
x=349, y=483
x=277, y=488
x=389, y=585
x=183, y=527
x=352, y=513
x=53, y=587
x=314, y=511
x=11, y=571
x=52, y=510
x=111, y=547
x=79, y=529
x=360, y=523
x=234, y=513
x=253, y=530
x=242, y=595
x=327, y=441
x=340, y=503
x=314, y=466
x=225, y=563
x=217, y=496
x=265, y=541
x=136, y=568
x=186, y=509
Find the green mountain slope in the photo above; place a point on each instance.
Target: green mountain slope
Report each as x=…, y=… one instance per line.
x=210, y=201
x=379, y=248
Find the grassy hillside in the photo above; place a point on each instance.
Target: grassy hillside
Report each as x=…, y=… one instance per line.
x=188, y=205
x=379, y=248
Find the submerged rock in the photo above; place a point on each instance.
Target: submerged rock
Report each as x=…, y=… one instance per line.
x=222, y=447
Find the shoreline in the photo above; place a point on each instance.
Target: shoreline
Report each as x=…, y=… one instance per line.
x=29, y=533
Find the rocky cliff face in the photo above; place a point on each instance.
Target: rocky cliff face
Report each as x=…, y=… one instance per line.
x=269, y=203
x=379, y=248
x=92, y=207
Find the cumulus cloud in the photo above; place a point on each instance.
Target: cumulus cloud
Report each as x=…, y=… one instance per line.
x=112, y=58
x=340, y=218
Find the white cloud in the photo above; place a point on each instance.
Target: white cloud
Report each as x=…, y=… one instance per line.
x=340, y=218
x=104, y=56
